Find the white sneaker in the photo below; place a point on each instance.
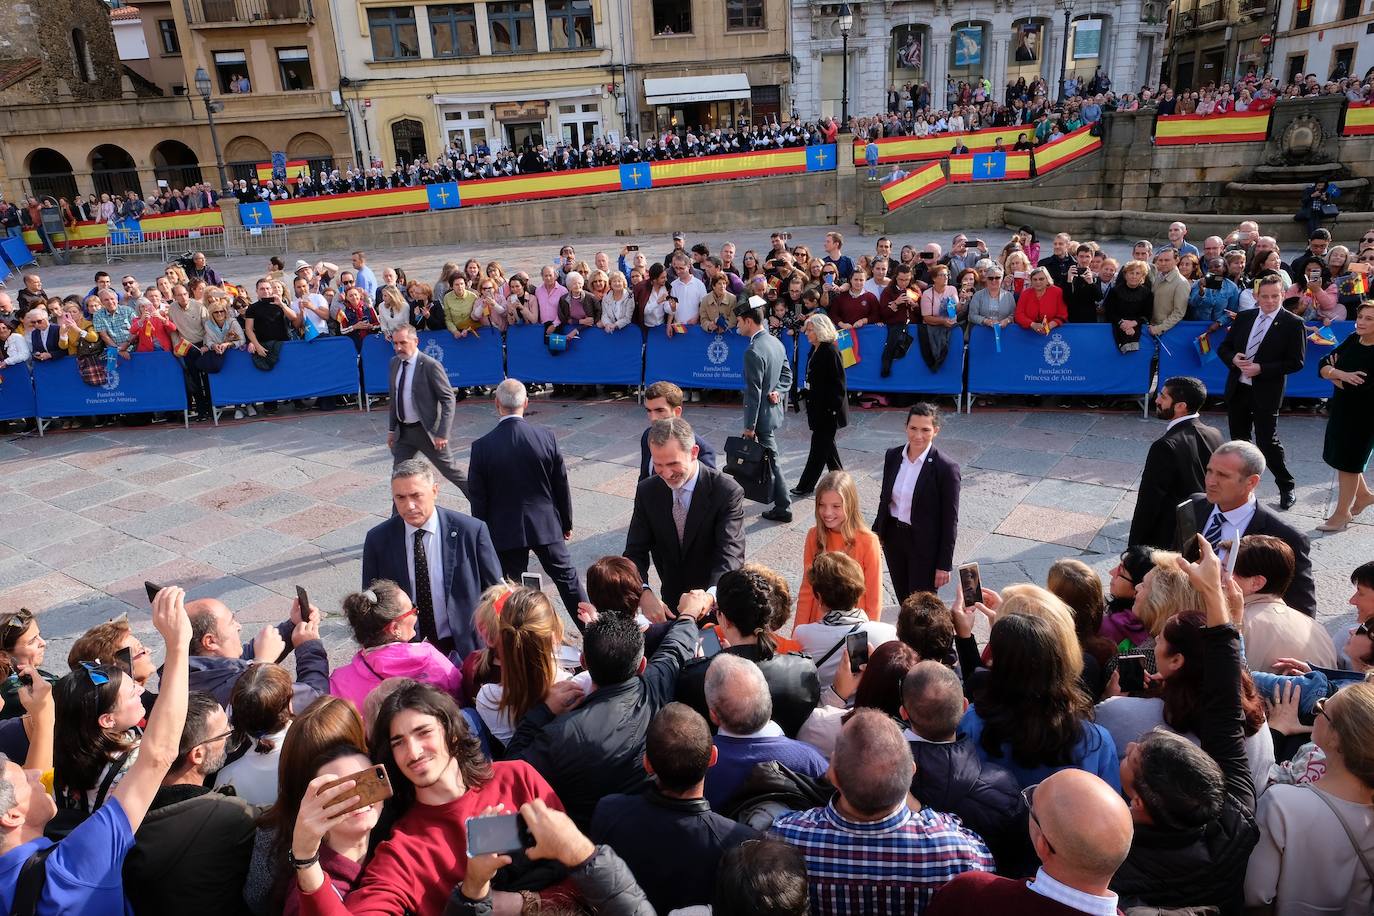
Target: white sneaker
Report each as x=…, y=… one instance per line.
x=252, y=411
x=238, y=413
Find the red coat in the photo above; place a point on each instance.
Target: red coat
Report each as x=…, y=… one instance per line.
x=1050, y=306
x=143, y=333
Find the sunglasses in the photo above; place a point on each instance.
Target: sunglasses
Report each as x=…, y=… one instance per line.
x=1363, y=629
x=219, y=737
x=1319, y=709
x=96, y=672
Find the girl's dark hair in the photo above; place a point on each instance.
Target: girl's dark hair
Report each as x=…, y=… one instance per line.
x=880, y=687
x=428, y=700
x=1032, y=699
x=614, y=586
x=371, y=611
x=1077, y=585
x=261, y=704
x=745, y=598
x=1182, y=691
x=81, y=748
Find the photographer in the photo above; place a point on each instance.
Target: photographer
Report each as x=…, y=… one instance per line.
x=1214, y=298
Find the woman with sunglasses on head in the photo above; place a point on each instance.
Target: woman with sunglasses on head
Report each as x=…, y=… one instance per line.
x=20, y=644
x=383, y=622
x=100, y=708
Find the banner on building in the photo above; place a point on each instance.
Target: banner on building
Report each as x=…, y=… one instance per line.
x=1359, y=120
x=1087, y=39
x=1071, y=359
x=938, y=146
x=143, y=383
x=1236, y=127
x=1066, y=149
x=994, y=166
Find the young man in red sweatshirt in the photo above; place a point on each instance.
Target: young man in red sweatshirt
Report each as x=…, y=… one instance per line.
x=1081, y=830
x=441, y=779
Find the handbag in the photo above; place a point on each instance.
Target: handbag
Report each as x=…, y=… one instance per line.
x=1330, y=210
x=86, y=347
x=751, y=465
x=92, y=369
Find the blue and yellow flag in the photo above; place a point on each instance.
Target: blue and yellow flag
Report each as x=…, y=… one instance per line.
x=848, y=345
x=989, y=166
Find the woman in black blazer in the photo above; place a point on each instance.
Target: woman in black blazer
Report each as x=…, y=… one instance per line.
x=918, y=509
x=827, y=402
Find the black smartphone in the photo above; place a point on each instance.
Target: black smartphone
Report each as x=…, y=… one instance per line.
x=970, y=584
x=124, y=660
x=532, y=580
x=152, y=589
x=787, y=235
x=304, y=600
x=1212, y=282
x=710, y=643
x=1185, y=530
x=631, y=247
x=1131, y=669
x=16, y=679
x=498, y=833
x=856, y=644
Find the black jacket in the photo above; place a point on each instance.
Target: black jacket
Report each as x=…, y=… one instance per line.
x=1280, y=354
x=1175, y=469
x=714, y=539
x=597, y=749
x=518, y=485
x=792, y=682
x=706, y=454
x=604, y=881
x=934, y=512
x=1302, y=594
x=191, y=852
x=952, y=778
x=697, y=836
x=827, y=401
x=1204, y=866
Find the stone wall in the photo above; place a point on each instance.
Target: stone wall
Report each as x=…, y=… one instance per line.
x=43, y=29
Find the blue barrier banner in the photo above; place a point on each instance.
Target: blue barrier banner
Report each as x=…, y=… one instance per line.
x=143, y=383
x=592, y=358
x=1181, y=358
x=469, y=361
x=699, y=359
x=323, y=366
x=1071, y=359
x=16, y=252
x=16, y=393
x=910, y=374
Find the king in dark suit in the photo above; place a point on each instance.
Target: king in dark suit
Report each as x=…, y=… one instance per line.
x=918, y=510
x=518, y=485
x=1176, y=466
x=1228, y=511
x=688, y=518
x=1264, y=346
x=443, y=559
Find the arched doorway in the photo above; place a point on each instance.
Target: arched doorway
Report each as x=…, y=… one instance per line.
x=314, y=149
x=50, y=174
x=113, y=170
x=176, y=163
x=242, y=155
x=408, y=138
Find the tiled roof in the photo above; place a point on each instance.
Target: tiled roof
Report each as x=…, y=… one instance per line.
x=123, y=13
x=12, y=71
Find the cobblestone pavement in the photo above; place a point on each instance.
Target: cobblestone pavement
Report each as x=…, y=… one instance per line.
x=247, y=511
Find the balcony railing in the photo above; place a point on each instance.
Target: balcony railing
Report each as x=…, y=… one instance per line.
x=211, y=13
x=1209, y=13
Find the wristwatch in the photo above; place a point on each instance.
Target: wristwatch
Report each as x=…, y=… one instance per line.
x=301, y=863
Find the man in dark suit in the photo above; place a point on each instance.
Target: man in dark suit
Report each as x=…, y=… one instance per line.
x=661, y=401
x=422, y=406
x=519, y=486
x=443, y=559
x=918, y=509
x=688, y=518
x=1227, y=511
x=767, y=379
x=42, y=336
x=1176, y=466
x=1263, y=347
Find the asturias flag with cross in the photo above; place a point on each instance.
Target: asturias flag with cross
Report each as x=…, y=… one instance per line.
x=989, y=166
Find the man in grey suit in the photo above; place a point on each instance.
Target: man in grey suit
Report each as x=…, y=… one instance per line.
x=422, y=407
x=767, y=379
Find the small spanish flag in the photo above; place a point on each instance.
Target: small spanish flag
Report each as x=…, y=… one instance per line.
x=1202, y=346
x=293, y=170
x=1359, y=119
x=848, y=346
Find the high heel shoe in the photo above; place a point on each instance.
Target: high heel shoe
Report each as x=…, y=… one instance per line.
x=1331, y=525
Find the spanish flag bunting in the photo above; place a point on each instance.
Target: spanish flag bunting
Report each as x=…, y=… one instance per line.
x=732, y=165
x=911, y=149
x=914, y=186
x=208, y=221
x=540, y=186
x=1359, y=119
x=1236, y=127
x=293, y=170
x=966, y=167
x=348, y=206
x=1066, y=149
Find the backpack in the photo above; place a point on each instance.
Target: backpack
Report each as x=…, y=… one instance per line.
x=33, y=875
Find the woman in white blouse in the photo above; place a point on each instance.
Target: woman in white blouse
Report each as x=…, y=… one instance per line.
x=393, y=313
x=15, y=344
x=656, y=305
x=617, y=305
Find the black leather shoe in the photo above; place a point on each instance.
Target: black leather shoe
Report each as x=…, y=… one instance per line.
x=1288, y=499
x=799, y=493
x=773, y=515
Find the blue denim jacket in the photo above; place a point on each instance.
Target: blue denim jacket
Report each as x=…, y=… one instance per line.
x=1317, y=684
x=1213, y=304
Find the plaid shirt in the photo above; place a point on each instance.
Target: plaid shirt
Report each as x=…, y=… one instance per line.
x=115, y=323
x=892, y=866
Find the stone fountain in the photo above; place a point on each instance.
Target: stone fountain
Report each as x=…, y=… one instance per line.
x=1302, y=148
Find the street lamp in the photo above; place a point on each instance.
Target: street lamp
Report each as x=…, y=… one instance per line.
x=1064, y=64
x=203, y=87
x=846, y=23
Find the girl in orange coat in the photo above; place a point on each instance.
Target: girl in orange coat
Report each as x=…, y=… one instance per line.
x=842, y=529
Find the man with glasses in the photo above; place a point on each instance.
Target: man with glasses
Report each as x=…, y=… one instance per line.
x=195, y=843
x=1081, y=831
x=1366, y=243
x=131, y=291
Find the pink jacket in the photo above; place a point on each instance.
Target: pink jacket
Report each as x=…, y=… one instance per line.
x=417, y=660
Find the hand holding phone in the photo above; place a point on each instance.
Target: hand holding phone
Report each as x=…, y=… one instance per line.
x=532, y=580
x=1131, y=669
x=710, y=643
x=497, y=834
x=371, y=786
x=970, y=584
x=152, y=588
x=1185, y=530
x=856, y=645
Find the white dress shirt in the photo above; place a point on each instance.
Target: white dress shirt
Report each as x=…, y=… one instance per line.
x=1233, y=523
x=407, y=393
x=905, y=485
x=1072, y=897
x=1173, y=423
x=1263, y=322
x=434, y=556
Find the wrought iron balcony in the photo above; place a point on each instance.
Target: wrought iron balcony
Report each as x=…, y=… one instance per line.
x=216, y=13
